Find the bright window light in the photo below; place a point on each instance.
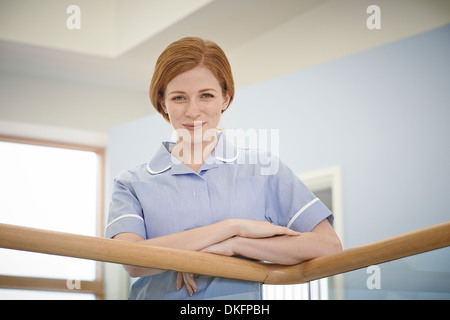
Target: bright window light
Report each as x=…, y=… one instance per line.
x=10, y=294
x=49, y=188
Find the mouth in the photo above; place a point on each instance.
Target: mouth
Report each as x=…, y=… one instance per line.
x=197, y=125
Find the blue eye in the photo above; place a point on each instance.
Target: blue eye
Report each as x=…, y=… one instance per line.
x=177, y=98
x=207, y=95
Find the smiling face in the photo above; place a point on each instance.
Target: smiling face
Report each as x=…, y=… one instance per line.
x=194, y=102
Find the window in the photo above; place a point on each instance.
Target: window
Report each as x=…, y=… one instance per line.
x=57, y=187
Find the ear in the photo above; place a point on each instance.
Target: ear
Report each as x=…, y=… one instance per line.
x=161, y=102
x=226, y=101
x=163, y=105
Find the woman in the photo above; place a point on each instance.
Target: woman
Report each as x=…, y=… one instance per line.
x=203, y=194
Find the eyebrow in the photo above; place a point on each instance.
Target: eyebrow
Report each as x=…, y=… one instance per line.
x=209, y=89
x=201, y=91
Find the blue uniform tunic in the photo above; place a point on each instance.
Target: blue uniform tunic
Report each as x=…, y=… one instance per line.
x=165, y=196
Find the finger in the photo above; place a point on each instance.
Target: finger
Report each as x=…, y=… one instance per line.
x=292, y=232
x=287, y=231
x=187, y=284
x=190, y=283
x=179, y=280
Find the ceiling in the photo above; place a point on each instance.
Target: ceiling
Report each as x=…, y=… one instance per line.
x=97, y=77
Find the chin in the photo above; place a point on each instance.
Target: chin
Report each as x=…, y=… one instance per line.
x=196, y=136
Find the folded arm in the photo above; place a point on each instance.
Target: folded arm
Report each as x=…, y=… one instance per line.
x=203, y=237
x=283, y=249
x=253, y=239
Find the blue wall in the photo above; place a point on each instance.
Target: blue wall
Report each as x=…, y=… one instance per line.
x=383, y=115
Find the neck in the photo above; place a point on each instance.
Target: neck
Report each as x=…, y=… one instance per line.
x=194, y=154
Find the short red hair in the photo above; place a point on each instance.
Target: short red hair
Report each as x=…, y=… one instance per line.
x=183, y=55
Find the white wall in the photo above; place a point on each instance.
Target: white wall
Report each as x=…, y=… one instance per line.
x=70, y=104
x=383, y=116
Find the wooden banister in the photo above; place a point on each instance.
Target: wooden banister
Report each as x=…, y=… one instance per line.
x=116, y=251
x=388, y=249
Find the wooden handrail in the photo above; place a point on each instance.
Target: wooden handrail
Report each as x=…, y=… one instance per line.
x=122, y=252
x=388, y=249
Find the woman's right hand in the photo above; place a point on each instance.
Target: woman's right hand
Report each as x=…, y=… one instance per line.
x=188, y=279
x=260, y=229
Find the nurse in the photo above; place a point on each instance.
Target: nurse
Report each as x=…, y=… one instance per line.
x=202, y=193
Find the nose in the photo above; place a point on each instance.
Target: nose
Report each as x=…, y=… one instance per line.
x=193, y=110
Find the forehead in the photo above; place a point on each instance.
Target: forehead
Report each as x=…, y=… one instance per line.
x=195, y=79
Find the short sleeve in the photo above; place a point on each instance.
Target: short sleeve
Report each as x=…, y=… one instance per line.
x=290, y=203
x=125, y=211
